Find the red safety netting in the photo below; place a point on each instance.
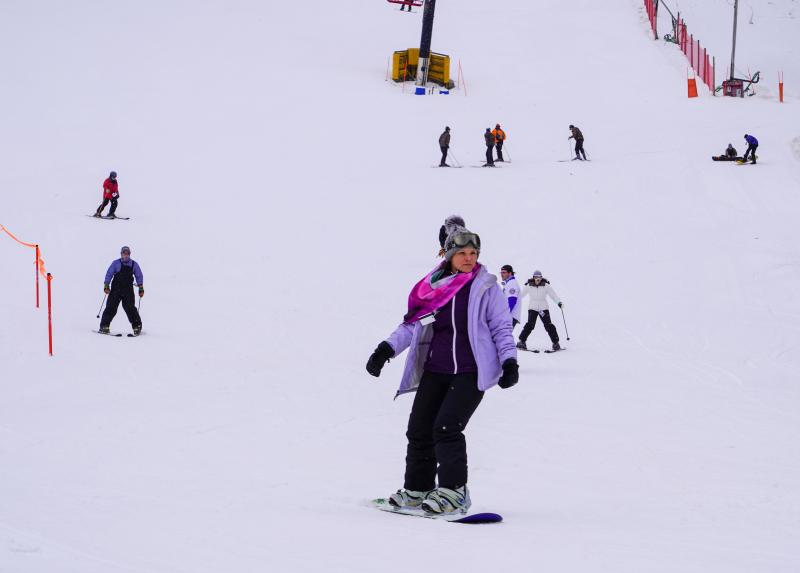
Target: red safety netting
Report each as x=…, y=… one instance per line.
x=699, y=60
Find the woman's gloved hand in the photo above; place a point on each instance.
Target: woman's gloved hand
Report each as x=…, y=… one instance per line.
x=381, y=356
x=510, y=374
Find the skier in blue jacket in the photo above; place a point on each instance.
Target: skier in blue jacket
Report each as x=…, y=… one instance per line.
x=752, y=145
x=118, y=285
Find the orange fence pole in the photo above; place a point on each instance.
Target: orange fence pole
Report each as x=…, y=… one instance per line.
x=780, y=86
x=36, y=272
x=50, y=313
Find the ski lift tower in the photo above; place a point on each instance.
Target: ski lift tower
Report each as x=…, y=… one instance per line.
x=425, y=42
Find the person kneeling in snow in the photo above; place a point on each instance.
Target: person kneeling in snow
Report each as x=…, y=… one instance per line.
x=458, y=332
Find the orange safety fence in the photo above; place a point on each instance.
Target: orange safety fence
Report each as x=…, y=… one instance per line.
x=39, y=261
x=40, y=269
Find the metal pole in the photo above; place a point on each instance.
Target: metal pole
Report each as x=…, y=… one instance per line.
x=36, y=271
x=425, y=42
x=49, y=314
x=733, y=50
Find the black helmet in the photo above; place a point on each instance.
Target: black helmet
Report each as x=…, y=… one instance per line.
x=113, y=175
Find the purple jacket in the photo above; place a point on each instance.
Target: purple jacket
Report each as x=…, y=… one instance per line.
x=116, y=267
x=490, y=336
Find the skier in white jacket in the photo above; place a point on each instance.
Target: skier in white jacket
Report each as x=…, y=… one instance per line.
x=537, y=289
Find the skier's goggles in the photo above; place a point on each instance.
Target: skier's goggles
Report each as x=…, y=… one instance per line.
x=461, y=240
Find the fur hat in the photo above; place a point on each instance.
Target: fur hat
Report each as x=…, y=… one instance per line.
x=452, y=245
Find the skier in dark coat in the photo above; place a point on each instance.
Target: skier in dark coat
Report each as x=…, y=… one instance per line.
x=577, y=135
x=118, y=285
x=444, y=145
x=730, y=151
x=752, y=145
x=489, y=139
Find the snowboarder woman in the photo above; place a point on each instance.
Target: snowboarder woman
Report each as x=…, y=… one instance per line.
x=538, y=289
x=752, y=145
x=118, y=285
x=577, y=135
x=110, y=193
x=458, y=332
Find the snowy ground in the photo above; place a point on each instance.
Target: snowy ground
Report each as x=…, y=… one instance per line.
x=282, y=205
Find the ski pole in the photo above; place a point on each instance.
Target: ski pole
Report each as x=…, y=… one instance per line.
x=101, y=305
x=458, y=163
x=569, y=145
x=564, y=320
x=507, y=152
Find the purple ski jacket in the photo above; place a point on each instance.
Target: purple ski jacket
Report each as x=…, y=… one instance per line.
x=489, y=329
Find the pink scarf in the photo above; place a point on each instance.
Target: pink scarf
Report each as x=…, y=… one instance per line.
x=433, y=292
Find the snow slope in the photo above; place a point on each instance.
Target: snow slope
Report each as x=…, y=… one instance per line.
x=282, y=205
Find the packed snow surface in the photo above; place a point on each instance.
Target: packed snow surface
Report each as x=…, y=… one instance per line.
x=282, y=204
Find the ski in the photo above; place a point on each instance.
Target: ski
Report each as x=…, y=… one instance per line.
x=109, y=218
x=470, y=518
x=134, y=335
x=116, y=334
x=534, y=350
x=554, y=351
x=484, y=165
x=447, y=166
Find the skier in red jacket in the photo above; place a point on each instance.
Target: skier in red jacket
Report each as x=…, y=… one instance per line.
x=110, y=194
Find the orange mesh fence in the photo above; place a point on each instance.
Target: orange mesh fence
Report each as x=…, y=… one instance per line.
x=40, y=260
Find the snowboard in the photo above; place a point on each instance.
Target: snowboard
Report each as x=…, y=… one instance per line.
x=470, y=518
x=725, y=158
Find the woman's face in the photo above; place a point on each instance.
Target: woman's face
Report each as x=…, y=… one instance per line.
x=464, y=260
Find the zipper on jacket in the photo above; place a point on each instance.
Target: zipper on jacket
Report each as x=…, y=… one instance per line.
x=453, y=315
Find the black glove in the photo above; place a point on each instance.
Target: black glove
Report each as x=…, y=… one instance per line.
x=381, y=356
x=510, y=374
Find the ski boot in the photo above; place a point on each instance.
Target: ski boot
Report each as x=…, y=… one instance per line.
x=104, y=330
x=406, y=498
x=137, y=330
x=556, y=346
x=445, y=501
x=521, y=345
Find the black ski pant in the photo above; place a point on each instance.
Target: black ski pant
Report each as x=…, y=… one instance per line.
x=442, y=407
x=489, y=154
x=499, y=146
x=531, y=324
x=103, y=206
x=750, y=149
x=444, y=156
x=579, y=149
x=127, y=298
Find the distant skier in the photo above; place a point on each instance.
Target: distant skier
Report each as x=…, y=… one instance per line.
x=499, y=139
x=444, y=145
x=408, y=3
x=752, y=145
x=452, y=223
x=512, y=292
x=110, y=193
x=577, y=135
x=537, y=289
x=118, y=285
x=458, y=332
x=489, y=139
